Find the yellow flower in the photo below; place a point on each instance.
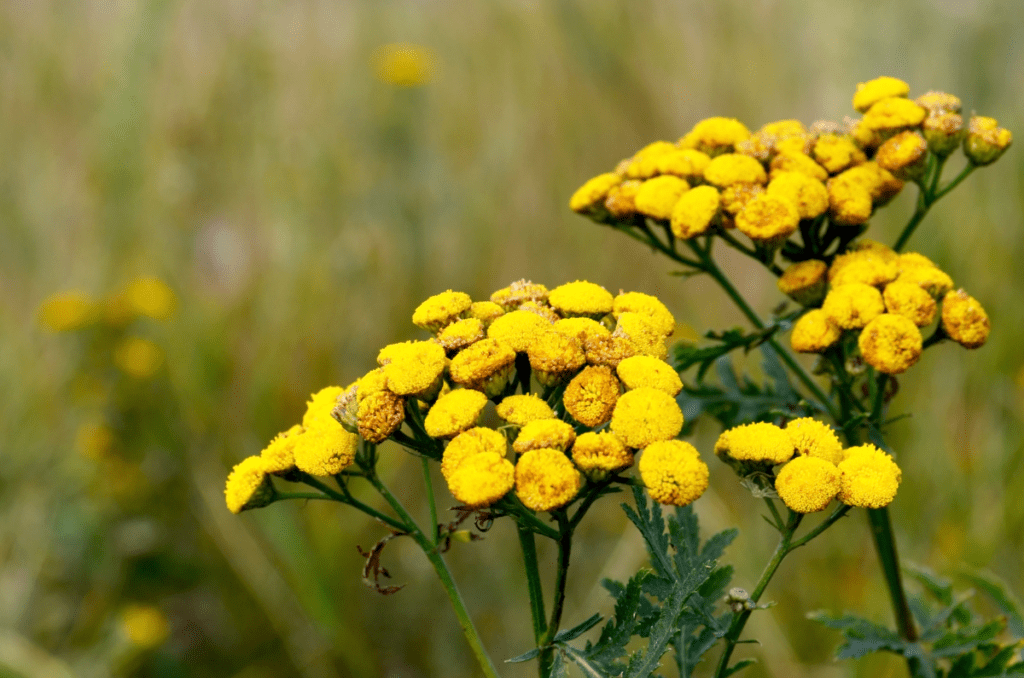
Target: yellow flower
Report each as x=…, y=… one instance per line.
x=893, y=114
x=964, y=320
x=621, y=200
x=509, y=298
x=870, y=477
x=804, y=282
x=371, y=382
x=553, y=433
x=766, y=142
x=542, y=310
x=871, y=92
x=66, y=311
x=809, y=195
x=318, y=409
x=441, y=310
x=598, y=454
x=849, y=202
x=808, y=484
x=484, y=366
x=468, y=444
x=248, y=486
x=608, y=350
x=659, y=195
x=836, y=153
x=733, y=168
x=592, y=194
x=878, y=181
x=646, y=415
x=555, y=357
x=715, y=135
x=812, y=438
x=736, y=197
x=864, y=136
x=673, y=472
x=581, y=298
x=94, y=441
x=644, y=163
x=580, y=328
x=546, y=479
x=279, y=454
x=862, y=266
x=695, y=212
x=880, y=250
x=380, y=414
x=522, y=409
x=645, y=371
x=482, y=479
x=485, y=311
x=939, y=103
x=890, y=343
x=931, y=279
x=904, y=155
x=796, y=162
x=853, y=305
x=591, y=396
x=648, y=306
x=518, y=329
x=944, y=133
x=986, y=141
x=461, y=334
x=768, y=219
x=640, y=331
x=328, y=449
x=910, y=301
x=404, y=64
x=685, y=163
x=151, y=297
x=414, y=368
x=454, y=412
x=138, y=357
x=145, y=626
x=759, y=442
x=814, y=332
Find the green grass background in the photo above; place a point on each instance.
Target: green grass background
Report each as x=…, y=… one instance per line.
x=244, y=152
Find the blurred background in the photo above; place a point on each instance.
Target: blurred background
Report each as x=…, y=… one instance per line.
x=283, y=206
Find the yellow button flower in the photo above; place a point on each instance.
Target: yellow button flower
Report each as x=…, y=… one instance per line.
x=814, y=332
x=644, y=163
x=904, y=155
x=736, y=197
x=986, y=141
x=581, y=298
x=871, y=92
x=485, y=366
x=804, y=282
x=248, y=486
x=673, y=472
x=621, y=200
x=580, y=328
x=892, y=114
x=379, y=415
x=685, y=163
x=318, y=409
x=415, y=369
x=645, y=371
x=404, y=64
x=482, y=479
x=695, y=212
x=441, y=310
x=876, y=249
x=522, y=409
x=470, y=443
x=591, y=396
x=890, y=343
x=598, y=454
x=768, y=219
x=509, y=298
x=138, y=357
x=862, y=267
x=849, y=202
x=650, y=307
x=808, y=484
x=808, y=195
x=485, y=311
x=454, y=412
x=553, y=433
x=518, y=329
x=939, y=103
x=931, y=279
x=461, y=334
x=593, y=192
x=944, y=133
x=644, y=416
x=151, y=297
x=546, y=479
x=964, y=320
x=853, y=306
x=658, y=196
x=836, y=153
x=759, y=442
x=734, y=168
x=279, y=455
x=877, y=180
x=910, y=301
x=715, y=136
x=797, y=162
x=541, y=310
x=325, y=450
x=555, y=357
x=870, y=477
x=812, y=438
x=642, y=333
x=609, y=350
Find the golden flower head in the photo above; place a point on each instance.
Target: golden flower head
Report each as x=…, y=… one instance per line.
x=482, y=479
x=685, y=163
x=760, y=442
x=876, y=248
x=642, y=333
x=986, y=141
x=878, y=181
x=591, y=195
x=94, y=440
x=598, y=454
x=870, y=477
x=145, y=626
x=871, y=92
x=893, y=114
x=325, y=450
x=518, y=329
x=621, y=200
x=485, y=366
x=441, y=310
x=485, y=311
x=248, y=486
x=890, y=343
x=734, y=168
x=522, y=409
x=580, y=328
x=404, y=64
x=646, y=371
x=736, y=197
x=910, y=301
x=814, y=332
x=807, y=194
x=608, y=350
x=546, y=479
x=862, y=266
x=552, y=433
x=509, y=298
x=715, y=136
x=695, y=212
x=796, y=162
x=591, y=396
x=931, y=279
x=853, y=305
x=470, y=443
x=646, y=305
x=904, y=155
x=939, y=103
x=151, y=297
x=658, y=196
x=454, y=412
x=849, y=202
x=644, y=163
x=909, y=260
x=542, y=310
x=555, y=357
x=461, y=334
x=804, y=282
x=766, y=142
x=279, y=454
x=808, y=484
x=944, y=133
x=964, y=320
x=380, y=414
x=414, y=368
x=812, y=438
x=138, y=357
x=836, y=153
x=66, y=311
x=768, y=219
x=581, y=298
x=673, y=472
x=646, y=415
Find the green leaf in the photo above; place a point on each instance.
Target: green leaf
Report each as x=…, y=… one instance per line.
x=558, y=667
x=621, y=627
x=589, y=668
x=739, y=666
x=862, y=636
x=525, y=657
x=575, y=632
x=967, y=639
x=996, y=589
x=652, y=528
x=940, y=587
x=645, y=662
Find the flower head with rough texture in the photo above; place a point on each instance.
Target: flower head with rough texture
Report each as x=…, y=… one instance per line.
x=279, y=454
x=510, y=297
x=870, y=477
x=518, y=329
x=591, y=396
x=836, y=153
x=441, y=310
x=964, y=319
x=814, y=332
x=546, y=479
x=871, y=92
x=893, y=114
x=325, y=450
x=910, y=301
x=931, y=279
x=648, y=306
x=461, y=334
x=768, y=219
x=482, y=479
x=685, y=163
x=759, y=442
x=658, y=196
x=646, y=371
x=787, y=161
x=853, y=306
x=486, y=312
x=454, y=412
x=415, y=369
x=593, y=192
x=621, y=200
x=248, y=486
x=734, y=168
x=715, y=135
x=986, y=141
x=553, y=433
x=581, y=298
x=581, y=328
x=808, y=484
x=469, y=443
x=642, y=333
x=555, y=357
x=673, y=472
x=812, y=438
x=598, y=454
x=484, y=366
x=890, y=343
x=904, y=155
x=644, y=416
x=804, y=282
x=695, y=212
x=380, y=414
x=522, y=409
x=608, y=350
x=807, y=194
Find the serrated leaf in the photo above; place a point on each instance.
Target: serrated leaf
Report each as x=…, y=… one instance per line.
x=996, y=589
x=739, y=666
x=575, y=632
x=940, y=587
x=589, y=668
x=558, y=667
x=862, y=636
x=967, y=639
x=620, y=628
x=652, y=528
x=525, y=657
x=645, y=662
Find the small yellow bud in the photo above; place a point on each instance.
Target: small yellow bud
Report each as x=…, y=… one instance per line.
x=904, y=155
x=986, y=141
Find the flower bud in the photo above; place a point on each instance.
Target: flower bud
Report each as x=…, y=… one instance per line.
x=943, y=133
x=986, y=140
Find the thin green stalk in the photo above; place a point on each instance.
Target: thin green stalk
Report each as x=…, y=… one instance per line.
x=752, y=253
x=529, y=547
x=885, y=545
x=928, y=197
x=347, y=498
x=281, y=496
x=430, y=498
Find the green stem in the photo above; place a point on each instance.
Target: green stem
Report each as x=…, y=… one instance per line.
x=281, y=496
x=752, y=253
x=885, y=545
x=529, y=546
x=561, y=577
x=430, y=498
x=346, y=498
x=928, y=197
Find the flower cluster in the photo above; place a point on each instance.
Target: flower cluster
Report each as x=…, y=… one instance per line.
x=815, y=467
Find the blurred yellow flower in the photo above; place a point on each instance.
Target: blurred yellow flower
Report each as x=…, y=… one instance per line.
x=441, y=310
x=145, y=625
x=248, y=486
x=66, y=311
x=757, y=442
x=138, y=357
x=404, y=64
x=94, y=440
x=151, y=297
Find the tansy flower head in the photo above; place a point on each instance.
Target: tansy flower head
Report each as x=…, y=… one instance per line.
x=673, y=472
x=909, y=260
x=138, y=357
x=326, y=450
x=695, y=212
x=797, y=162
x=931, y=279
x=145, y=625
x=645, y=371
x=646, y=415
x=580, y=328
x=893, y=114
x=814, y=332
x=470, y=443
x=608, y=350
x=812, y=438
x=644, y=163
x=870, y=477
x=807, y=194
x=441, y=310
x=733, y=168
x=581, y=298
x=849, y=202
x=871, y=92
x=591, y=396
x=904, y=155
x=939, y=103
x=151, y=297
x=591, y=195
x=804, y=282
x=986, y=141
x=485, y=311
x=736, y=197
x=279, y=455
x=685, y=163
x=765, y=142
x=461, y=334
x=641, y=333
x=715, y=135
x=555, y=357
x=853, y=306
x=518, y=329
x=544, y=311
x=808, y=484
x=910, y=301
x=944, y=133
x=836, y=153
x=621, y=200
x=890, y=343
x=553, y=433
x=482, y=479
x=862, y=266
x=248, y=486
x=522, y=409
x=875, y=248
x=878, y=181
x=454, y=412
x=865, y=137
x=546, y=479
x=598, y=454
x=964, y=320
x=648, y=306
x=380, y=414
x=404, y=64
x=415, y=369
x=371, y=382
x=759, y=442
x=659, y=195
x=485, y=366
x=768, y=219
x=510, y=297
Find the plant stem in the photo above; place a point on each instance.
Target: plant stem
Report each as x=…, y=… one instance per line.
x=281, y=496
x=430, y=498
x=885, y=545
x=561, y=577
x=529, y=546
x=347, y=498
x=928, y=197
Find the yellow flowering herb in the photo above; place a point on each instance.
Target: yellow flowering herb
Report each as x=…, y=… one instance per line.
x=94, y=440
x=518, y=329
x=648, y=306
x=797, y=162
x=893, y=114
x=581, y=298
x=673, y=472
x=944, y=133
x=591, y=396
x=485, y=366
x=766, y=142
x=522, y=409
x=865, y=137
x=461, y=334
x=379, y=415
x=659, y=195
x=910, y=301
x=454, y=412
x=904, y=155
x=836, y=153
x=555, y=357
x=759, y=442
x=66, y=311
x=552, y=433
x=849, y=202
x=939, y=103
x=593, y=193
x=441, y=310
x=325, y=450
x=814, y=332
x=544, y=311
x=546, y=479
x=145, y=626
x=871, y=92
x=318, y=409
x=715, y=136
x=736, y=197
x=621, y=200
x=482, y=479
x=608, y=350
x=875, y=248
x=415, y=368
x=598, y=454
x=853, y=305
x=468, y=444
x=646, y=415
x=964, y=320
x=890, y=343
x=804, y=282
x=509, y=298
x=640, y=331
x=931, y=279
x=138, y=357
x=809, y=195
x=808, y=484
x=812, y=438
x=986, y=141
x=151, y=297
x=909, y=260
x=768, y=219
x=279, y=455
x=685, y=163
x=485, y=311
x=695, y=212
x=644, y=371
x=248, y=486
x=869, y=479
x=862, y=267
x=878, y=181
x=644, y=163
x=404, y=64
x=733, y=168
x=580, y=328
